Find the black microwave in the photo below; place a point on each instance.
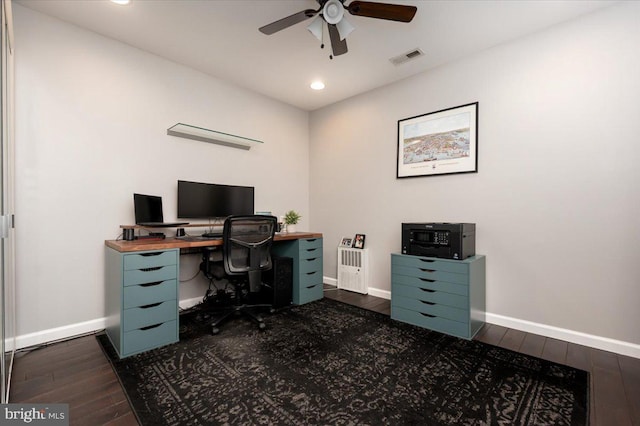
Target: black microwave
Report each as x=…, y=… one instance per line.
x=444, y=240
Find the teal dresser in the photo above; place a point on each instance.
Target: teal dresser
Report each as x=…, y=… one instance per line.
x=440, y=294
x=141, y=299
x=307, y=267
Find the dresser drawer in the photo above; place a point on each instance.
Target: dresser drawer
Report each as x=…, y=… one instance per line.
x=152, y=274
x=457, y=266
x=310, y=265
x=309, y=244
x=311, y=253
x=147, y=294
x=433, y=322
x=147, y=315
x=431, y=274
x=150, y=337
x=431, y=308
x=432, y=296
x=150, y=260
x=461, y=289
x=308, y=293
x=310, y=278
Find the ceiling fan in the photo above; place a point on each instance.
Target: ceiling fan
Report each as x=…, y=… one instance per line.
x=332, y=12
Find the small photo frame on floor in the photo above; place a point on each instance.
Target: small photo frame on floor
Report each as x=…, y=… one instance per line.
x=358, y=241
x=346, y=242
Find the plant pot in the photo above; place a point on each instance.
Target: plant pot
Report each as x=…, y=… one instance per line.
x=291, y=227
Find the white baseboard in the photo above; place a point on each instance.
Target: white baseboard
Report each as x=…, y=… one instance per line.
x=598, y=342
x=384, y=294
x=59, y=333
x=189, y=303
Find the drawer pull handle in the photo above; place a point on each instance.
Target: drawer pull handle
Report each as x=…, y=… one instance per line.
x=313, y=249
x=427, y=270
x=155, y=268
x=312, y=286
x=149, y=327
x=311, y=240
x=427, y=303
x=151, y=284
x=427, y=315
x=427, y=280
x=153, y=305
x=428, y=290
x=311, y=273
x=311, y=260
x=151, y=254
x=427, y=260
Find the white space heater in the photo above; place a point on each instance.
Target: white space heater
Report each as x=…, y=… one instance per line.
x=353, y=269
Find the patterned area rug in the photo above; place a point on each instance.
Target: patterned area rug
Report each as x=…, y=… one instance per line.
x=328, y=363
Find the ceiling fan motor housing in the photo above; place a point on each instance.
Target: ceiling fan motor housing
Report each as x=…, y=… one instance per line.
x=333, y=11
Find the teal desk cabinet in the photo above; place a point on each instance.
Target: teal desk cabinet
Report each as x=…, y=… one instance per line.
x=141, y=299
x=440, y=294
x=307, y=267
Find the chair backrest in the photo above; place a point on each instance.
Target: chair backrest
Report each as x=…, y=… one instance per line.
x=246, y=246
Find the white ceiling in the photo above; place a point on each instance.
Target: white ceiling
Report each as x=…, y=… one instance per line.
x=221, y=38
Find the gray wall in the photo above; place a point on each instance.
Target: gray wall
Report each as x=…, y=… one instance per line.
x=556, y=198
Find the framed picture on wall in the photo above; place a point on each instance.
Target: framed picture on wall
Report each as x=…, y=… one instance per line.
x=346, y=242
x=439, y=143
x=358, y=241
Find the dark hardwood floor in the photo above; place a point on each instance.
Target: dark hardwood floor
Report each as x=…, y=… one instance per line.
x=77, y=373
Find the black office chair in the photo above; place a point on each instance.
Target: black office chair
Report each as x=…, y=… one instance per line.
x=246, y=252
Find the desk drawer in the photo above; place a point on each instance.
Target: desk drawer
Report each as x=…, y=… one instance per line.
x=461, y=289
x=431, y=308
x=310, y=265
x=433, y=322
x=152, y=274
x=440, y=297
x=310, y=278
x=150, y=260
x=147, y=294
x=150, y=337
x=311, y=253
x=431, y=274
x=457, y=266
x=144, y=316
x=309, y=244
x=309, y=293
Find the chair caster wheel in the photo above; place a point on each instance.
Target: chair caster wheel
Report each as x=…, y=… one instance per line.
x=262, y=326
x=215, y=330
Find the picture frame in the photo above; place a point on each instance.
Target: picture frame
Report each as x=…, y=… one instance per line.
x=439, y=143
x=358, y=241
x=346, y=242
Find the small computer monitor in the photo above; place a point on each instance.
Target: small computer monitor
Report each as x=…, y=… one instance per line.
x=147, y=208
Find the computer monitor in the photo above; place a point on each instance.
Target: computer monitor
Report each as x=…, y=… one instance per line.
x=147, y=208
x=198, y=200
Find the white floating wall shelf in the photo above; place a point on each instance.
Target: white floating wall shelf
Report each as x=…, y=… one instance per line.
x=211, y=136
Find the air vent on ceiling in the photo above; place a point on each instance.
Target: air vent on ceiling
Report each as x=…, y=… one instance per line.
x=408, y=56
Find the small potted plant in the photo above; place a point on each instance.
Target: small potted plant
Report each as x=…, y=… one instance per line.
x=291, y=218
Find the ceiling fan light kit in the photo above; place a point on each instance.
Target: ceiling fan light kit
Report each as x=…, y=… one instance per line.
x=332, y=12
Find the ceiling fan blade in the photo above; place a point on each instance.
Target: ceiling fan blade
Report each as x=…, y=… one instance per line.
x=283, y=23
x=392, y=12
x=338, y=46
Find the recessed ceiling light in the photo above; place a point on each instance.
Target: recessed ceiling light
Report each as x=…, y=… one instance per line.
x=121, y=2
x=317, y=85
